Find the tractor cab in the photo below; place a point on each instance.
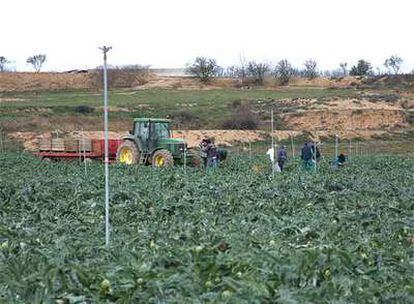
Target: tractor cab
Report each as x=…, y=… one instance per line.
x=150, y=142
x=149, y=132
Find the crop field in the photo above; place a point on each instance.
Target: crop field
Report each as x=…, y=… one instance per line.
x=228, y=235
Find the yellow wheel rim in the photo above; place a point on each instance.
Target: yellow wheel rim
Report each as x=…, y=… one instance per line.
x=126, y=156
x=159, y=161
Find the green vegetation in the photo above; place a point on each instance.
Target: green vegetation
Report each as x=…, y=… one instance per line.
x=229, y=235
x=207, y=108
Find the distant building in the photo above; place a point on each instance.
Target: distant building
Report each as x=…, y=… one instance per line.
x=170, y=72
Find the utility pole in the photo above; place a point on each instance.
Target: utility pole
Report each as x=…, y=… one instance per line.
x=105, y=50
x=336, y=146
x=273, y=142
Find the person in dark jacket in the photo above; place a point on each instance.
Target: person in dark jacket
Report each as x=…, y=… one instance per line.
x=341, y=159
x=282, y=157
x=212, y=155
x=209, y=153
x=306, y=153
x=310, y=155
x=339, y=162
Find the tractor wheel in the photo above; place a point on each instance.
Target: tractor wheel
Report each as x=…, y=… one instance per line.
x=127, y=153
x=162, y=158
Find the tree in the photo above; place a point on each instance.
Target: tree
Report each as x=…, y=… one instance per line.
x=343, y=66
x=204, y=69
x=393, y=63
x=361, y=69
x=37, y=61
x=310, y=69
x=257, y=71
x=3, y=63
x=283, y=71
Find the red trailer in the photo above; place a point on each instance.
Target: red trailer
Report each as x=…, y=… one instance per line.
x=95, y=150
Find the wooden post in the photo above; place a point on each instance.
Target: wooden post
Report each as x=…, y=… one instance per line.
x=84, y=154
x=336, y=146
x=1, y=142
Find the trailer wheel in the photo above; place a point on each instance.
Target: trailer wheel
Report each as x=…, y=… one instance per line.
x=162, y=158
x=46, y=160
x=127, y=153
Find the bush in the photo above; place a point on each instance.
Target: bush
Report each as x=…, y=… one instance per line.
x=243, y=118
x=84, y=109
x=122, y=77
x=185, y=119
x=361, y=69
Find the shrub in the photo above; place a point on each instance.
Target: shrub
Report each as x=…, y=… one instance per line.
x=84, y=109
x=361, y=69
x=243, y=118
x=122, y=77
x=185, y=118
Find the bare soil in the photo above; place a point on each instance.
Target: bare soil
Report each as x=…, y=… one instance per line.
x=31, y=140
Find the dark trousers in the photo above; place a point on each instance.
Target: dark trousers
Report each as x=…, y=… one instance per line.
x=281, y=164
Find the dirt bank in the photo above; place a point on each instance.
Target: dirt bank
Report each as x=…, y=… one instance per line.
x=31, y=140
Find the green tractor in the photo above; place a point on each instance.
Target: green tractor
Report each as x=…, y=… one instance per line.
x=150, y=143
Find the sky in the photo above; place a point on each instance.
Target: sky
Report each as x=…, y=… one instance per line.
x=170, y=34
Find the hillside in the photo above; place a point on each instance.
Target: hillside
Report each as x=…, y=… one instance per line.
x=351, y=108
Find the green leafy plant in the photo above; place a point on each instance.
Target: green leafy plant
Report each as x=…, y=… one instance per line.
x=230, y=235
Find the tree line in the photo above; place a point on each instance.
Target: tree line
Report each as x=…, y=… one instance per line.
x=36, y=61
x=205, y=69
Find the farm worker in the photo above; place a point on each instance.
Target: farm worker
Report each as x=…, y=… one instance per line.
x=212, y=156
x=209, y=153
x=271, y=153
x=282, y=157
x=307, y=155
x=203, y=147
x=316, y=154
x=341, y=159
x=339, y=162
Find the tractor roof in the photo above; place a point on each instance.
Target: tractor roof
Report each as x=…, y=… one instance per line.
x=152, y=120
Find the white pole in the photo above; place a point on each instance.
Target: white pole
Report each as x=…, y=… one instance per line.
x=84, y=154
x=314, y=151
x=293, y=148
x=336, y=146
x=185, y=155
x=1, y=142
x=105, y=80
x=80, y=149
x=273, y=142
